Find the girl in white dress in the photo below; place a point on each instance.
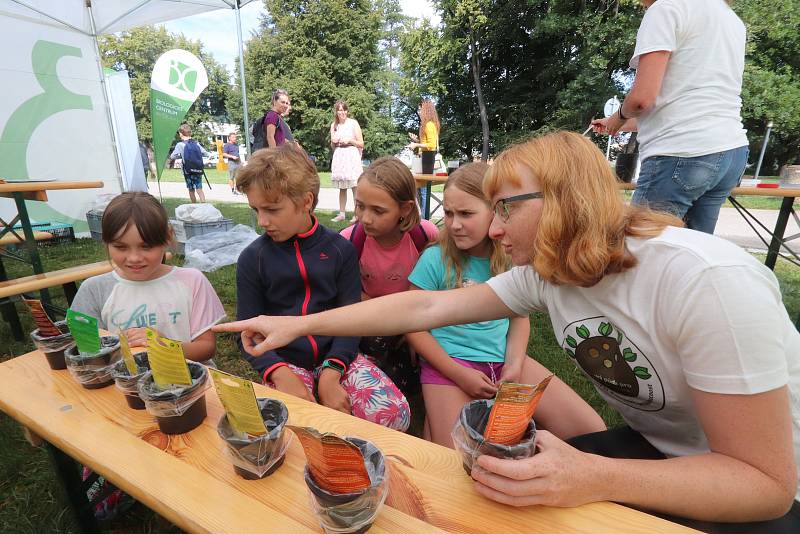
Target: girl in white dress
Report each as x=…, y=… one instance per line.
x=347, y=144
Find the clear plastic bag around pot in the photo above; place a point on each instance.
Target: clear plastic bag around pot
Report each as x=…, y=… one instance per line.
x=94, y=369
x=173, y=401
x=54, y=343
x=127, y=383
x=259, y=455
x=468, y=437
x=352, y=512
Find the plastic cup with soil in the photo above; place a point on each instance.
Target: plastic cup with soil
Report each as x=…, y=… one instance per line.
x=179, y=408
x=469, y=441
x=129, y=384
x=93, y=370
x=255, y=457
x=352, y=512
x=54, y=346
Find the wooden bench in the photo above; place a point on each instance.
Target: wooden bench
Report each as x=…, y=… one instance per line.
x=66, y=278
x=12, y=239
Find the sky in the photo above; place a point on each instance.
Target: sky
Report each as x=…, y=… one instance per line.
x=217, y=29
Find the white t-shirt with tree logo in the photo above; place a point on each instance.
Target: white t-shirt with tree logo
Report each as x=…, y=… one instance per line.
x=696, y=312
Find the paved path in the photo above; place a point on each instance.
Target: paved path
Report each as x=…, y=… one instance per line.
x=731, y=225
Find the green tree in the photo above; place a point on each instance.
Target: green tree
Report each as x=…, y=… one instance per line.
x=771, y=89
x=138, y=49
x=321, y=51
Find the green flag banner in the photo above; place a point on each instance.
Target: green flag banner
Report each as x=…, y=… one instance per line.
x=178, y=78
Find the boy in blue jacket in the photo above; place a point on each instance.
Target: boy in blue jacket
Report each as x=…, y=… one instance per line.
x=299, y=267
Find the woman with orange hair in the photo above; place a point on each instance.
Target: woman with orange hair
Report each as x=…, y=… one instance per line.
x=683, y=333
x=428, y=139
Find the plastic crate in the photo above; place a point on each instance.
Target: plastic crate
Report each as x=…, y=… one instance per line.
x=62, y=233
x=95, y=220
x=187, y=230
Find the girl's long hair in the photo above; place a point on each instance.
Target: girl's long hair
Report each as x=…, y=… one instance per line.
x=584, y=222
x=469, y=179
x=343, y=105
x=392, y=175
x=427, y=114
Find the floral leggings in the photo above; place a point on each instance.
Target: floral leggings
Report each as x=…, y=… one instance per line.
x=373, y=396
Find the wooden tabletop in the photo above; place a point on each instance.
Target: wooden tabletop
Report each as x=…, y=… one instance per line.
x=18, y=187
x=750, y=191
x=190, y=480
x=423, y=179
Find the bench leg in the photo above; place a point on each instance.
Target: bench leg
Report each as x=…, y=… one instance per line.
x=66, y=470
x=9, y=311
x=70, y=290
x=10, y=315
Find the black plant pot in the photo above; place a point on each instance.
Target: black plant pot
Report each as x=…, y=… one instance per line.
x=469, y=440
x=180, y=408
x=54, y=346
x=129, y=384
x=258, y=457
x=94, y=370
x=352, y=512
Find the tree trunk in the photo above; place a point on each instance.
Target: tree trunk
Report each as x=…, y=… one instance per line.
x=475, y=62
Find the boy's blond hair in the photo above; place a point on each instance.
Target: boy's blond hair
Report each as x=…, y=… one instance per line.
x=278, y=172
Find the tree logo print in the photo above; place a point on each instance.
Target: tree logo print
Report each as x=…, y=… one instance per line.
x=182, y=76
x=614, y=363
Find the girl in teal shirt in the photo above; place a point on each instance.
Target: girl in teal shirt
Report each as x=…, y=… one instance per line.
x=465, y=362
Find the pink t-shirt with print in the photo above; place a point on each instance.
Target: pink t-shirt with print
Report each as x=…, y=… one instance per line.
x=385, y=270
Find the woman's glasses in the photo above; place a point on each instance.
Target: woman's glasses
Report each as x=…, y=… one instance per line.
x=501, y=206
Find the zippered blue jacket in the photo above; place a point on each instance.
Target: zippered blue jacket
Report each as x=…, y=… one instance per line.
x=309, y=273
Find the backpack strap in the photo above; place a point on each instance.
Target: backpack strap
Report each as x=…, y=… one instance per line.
x=419, y=237
x=358, y=237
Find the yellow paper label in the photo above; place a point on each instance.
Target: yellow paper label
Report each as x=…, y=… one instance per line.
x=166, y=360
x=127, y=355
x=239, y=400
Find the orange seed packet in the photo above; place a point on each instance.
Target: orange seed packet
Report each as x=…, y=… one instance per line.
x=43, y=322
x=336, y=465
x=512, y=411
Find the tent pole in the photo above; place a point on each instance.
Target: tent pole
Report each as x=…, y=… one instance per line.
x=111, y=126
x=241, y=77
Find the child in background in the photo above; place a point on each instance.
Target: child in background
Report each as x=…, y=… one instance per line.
x=389, y=238
x=141, y=291
x=299, y=267
x=465, y=362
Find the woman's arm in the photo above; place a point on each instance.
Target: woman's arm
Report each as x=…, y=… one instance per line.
x=358, y=138
x=519, y=330
x=749, y=475
x=334, y=140
x=201, y=348
x=271, y=143
x=642, y=98
x=421, y=310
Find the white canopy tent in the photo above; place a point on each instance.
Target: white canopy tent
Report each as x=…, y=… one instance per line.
x=56, y=118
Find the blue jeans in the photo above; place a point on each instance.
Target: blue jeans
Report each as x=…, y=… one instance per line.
x=693, y=189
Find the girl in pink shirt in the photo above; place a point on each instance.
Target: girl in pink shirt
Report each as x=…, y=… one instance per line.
x=389, y=237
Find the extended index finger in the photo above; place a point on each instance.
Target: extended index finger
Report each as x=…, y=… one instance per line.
x=234, y=326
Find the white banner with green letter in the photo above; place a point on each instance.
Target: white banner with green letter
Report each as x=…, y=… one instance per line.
x=178, y=78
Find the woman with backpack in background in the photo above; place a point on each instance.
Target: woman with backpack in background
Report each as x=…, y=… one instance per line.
x=268, y=131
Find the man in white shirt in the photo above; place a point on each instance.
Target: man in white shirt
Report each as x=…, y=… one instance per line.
x=686, y=103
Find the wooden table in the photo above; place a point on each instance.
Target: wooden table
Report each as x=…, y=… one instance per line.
x=426, y=182
x=20, y=192
x=189, y=480
x=776, y=235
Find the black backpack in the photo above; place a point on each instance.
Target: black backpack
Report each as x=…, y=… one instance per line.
x=192, y=158
x=259, y=132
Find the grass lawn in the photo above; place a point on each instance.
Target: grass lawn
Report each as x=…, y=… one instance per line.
x=29, y=494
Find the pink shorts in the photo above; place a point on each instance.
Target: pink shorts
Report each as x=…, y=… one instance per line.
x=429, y=375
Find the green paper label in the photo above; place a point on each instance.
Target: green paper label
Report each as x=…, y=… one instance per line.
x=85, y=331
